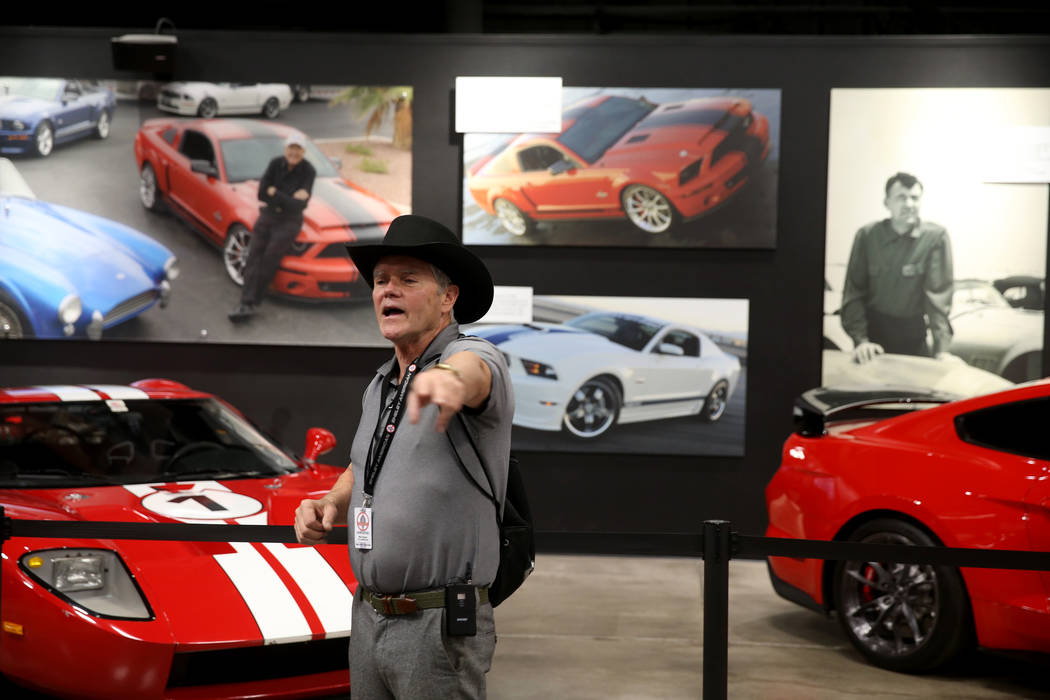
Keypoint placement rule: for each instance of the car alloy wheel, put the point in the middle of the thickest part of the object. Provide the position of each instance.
(148, 192)
(647, 209)
(902, 617)
(271, 108)
(235, 252)
(12, 324)
(716, 402)
(44, 139)
(593, 408)
(512, 218)
(102, 127)
(208, 108)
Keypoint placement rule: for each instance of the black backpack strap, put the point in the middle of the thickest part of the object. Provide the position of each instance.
(475, 460)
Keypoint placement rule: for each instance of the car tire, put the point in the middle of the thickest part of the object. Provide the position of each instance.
(102, 126)
(208, 108)
(647, 209)
(271, 108)
(235, 252)
(716, 402)
(13, 323)
(149, 191)
(44, 139)
(902, 617)
(301, 93)
(513, 219)
(593, 408)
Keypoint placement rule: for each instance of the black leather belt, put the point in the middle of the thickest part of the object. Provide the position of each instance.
(411, 602)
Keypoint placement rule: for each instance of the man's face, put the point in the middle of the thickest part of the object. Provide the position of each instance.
(903, 204)
(409, 303)
(293, 153)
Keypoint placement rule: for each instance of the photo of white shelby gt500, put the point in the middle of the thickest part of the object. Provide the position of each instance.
(603, 368)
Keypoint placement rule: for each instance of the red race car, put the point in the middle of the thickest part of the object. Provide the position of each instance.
(620, 156)
(207, 171)
(159, 619)
(915, 467)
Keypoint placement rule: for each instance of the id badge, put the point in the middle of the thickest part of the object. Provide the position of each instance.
(363, 528)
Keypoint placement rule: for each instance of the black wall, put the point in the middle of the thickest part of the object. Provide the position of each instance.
(582, 502)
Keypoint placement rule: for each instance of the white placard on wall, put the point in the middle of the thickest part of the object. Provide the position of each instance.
(509, 305)
(1017, 154)
(508, 105)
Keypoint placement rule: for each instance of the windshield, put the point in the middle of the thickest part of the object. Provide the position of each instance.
(246, 159)
(54, 445)
(628, 331)
(598, 128)
(37, 88)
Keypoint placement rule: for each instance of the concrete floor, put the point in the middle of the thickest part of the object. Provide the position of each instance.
(629, 627)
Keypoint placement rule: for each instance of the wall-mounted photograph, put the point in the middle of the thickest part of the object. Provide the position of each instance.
(131, 208)
(934, 276)
(636, 375)
(632, 167)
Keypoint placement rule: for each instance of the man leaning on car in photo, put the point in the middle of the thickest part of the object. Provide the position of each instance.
(899, 280)
(284, 191)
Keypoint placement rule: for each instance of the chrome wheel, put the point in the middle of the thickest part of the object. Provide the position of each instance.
(512, 218)
(593, 408)
(208, 108)
(148, 194)
(271, 108)
(45, 140)
(716, 402)
(11, 325)
(648, 209)
(235, 252)
(102, 127)
(905, 617)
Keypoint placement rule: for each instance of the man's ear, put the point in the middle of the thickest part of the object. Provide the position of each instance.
(449, 300)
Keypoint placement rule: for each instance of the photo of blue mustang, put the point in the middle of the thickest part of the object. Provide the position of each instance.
(36, 114)
(66, 273)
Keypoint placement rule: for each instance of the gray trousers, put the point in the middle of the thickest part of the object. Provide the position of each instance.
(409, 657)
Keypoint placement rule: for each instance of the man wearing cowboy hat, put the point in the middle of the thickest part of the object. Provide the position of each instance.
(422, 534)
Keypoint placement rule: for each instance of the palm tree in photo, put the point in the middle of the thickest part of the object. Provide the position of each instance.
(377, 102)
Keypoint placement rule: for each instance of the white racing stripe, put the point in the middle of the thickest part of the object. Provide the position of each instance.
(328, 595)
(70, 393)
(116, 391)
(278, 615)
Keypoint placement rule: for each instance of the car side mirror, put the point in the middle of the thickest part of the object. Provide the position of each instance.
(337, 162)
(669, 349)
(318, 442)
(204, 167)
(562, 166)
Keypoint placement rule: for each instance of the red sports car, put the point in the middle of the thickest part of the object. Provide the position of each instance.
(914, 467)
(207, 171)
(157, 619)
(619, 156)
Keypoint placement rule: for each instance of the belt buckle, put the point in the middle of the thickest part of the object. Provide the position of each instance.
(397, 605)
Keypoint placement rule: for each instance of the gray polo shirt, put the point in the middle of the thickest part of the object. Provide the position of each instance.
(430, 525)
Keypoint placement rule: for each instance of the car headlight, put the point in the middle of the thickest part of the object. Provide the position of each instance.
(18, 125)
(69, 309)
(171, 268)
(96, 580)
(538, 369)
(300, 247)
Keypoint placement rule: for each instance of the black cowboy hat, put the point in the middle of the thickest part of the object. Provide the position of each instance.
(419, 237)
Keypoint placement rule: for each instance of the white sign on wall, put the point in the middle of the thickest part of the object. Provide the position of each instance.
(508, 105)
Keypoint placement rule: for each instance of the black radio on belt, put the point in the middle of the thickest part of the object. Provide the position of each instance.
(461, 610)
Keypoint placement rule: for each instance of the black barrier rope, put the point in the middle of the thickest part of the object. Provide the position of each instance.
(720, 544)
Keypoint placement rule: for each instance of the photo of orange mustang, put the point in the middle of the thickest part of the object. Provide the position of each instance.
(619, 156)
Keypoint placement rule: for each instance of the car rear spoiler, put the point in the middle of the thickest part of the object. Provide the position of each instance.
(815, 407)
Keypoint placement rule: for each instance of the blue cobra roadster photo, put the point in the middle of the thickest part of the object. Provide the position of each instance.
(66, 273)
(36, 114)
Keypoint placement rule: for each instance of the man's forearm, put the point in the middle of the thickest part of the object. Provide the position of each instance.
(475, 374)
(339, 495)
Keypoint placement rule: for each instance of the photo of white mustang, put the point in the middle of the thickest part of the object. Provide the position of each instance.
(605, 368)
(207, 100)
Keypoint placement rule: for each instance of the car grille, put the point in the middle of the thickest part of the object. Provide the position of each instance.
(334, 250)
(738, 140)
(343, 287)
(258, 663)
(130, 307)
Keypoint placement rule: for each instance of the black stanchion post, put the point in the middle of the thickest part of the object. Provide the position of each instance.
(716, 609)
